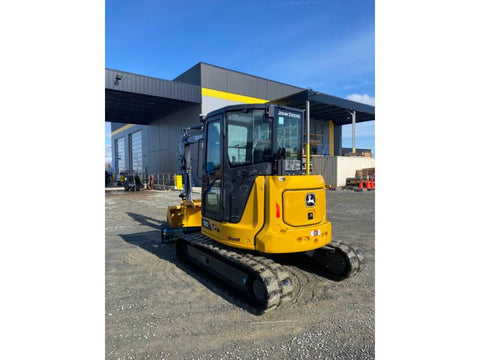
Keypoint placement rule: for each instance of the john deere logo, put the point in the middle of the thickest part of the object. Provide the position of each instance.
(310, 200)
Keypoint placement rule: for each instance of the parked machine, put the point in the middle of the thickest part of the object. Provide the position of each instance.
(186, 217)
(132, 181)
(256, 202)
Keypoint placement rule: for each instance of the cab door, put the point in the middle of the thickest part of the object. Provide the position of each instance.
(212, 186)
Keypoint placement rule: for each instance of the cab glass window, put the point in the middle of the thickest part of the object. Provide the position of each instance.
(213, 197)
(213, 146)
(289, 136)
(249, 137)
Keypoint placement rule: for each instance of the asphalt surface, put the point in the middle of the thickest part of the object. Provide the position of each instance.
(158, 308)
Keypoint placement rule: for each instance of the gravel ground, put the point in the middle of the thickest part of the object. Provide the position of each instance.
(157, 308)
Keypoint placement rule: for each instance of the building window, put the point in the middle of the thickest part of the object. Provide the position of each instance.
(136, 153)
(120, 155)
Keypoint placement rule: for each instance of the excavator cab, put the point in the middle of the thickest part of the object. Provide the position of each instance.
(255, 195)
(243, 143)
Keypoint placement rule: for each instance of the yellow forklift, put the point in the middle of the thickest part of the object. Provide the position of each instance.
(256, 202)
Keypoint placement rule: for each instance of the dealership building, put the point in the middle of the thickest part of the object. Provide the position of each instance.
(147, 113)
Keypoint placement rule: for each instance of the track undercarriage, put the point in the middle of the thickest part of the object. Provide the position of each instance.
(263, 282)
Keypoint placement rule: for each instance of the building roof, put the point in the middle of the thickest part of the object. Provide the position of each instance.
(328, 107)
(139, 99)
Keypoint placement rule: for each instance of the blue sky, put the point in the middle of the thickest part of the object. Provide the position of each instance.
(325, 45)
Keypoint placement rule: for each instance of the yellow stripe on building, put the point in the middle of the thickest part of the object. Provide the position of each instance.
(331, 137)
(123, 128)
(233, 97)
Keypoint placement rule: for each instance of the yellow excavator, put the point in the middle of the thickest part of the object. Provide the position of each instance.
(256, 202)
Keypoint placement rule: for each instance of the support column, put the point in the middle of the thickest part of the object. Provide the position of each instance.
(354, 118)
(307, 114)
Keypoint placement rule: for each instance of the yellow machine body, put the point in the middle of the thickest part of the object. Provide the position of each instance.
(187, 214)
(276, 218)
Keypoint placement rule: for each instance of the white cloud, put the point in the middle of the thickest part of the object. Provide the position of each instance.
(364, 99)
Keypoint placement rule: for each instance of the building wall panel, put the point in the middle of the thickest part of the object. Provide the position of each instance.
(278, 90)
(163, 136)
(210, 104)
(191, 76)
(336, 169)
(337, 141)
(327, 167)
(262, 89)
(239, 83)
(214, 78)
(347, 165)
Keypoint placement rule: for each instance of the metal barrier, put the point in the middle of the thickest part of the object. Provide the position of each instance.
(161, 181)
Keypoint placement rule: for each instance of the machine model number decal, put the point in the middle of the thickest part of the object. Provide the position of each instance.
(310, 200)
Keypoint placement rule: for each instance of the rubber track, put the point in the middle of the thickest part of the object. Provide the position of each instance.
(354, 254)
(277, 281)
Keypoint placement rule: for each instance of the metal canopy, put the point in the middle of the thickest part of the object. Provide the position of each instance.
(327, 107)
(137, 99)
